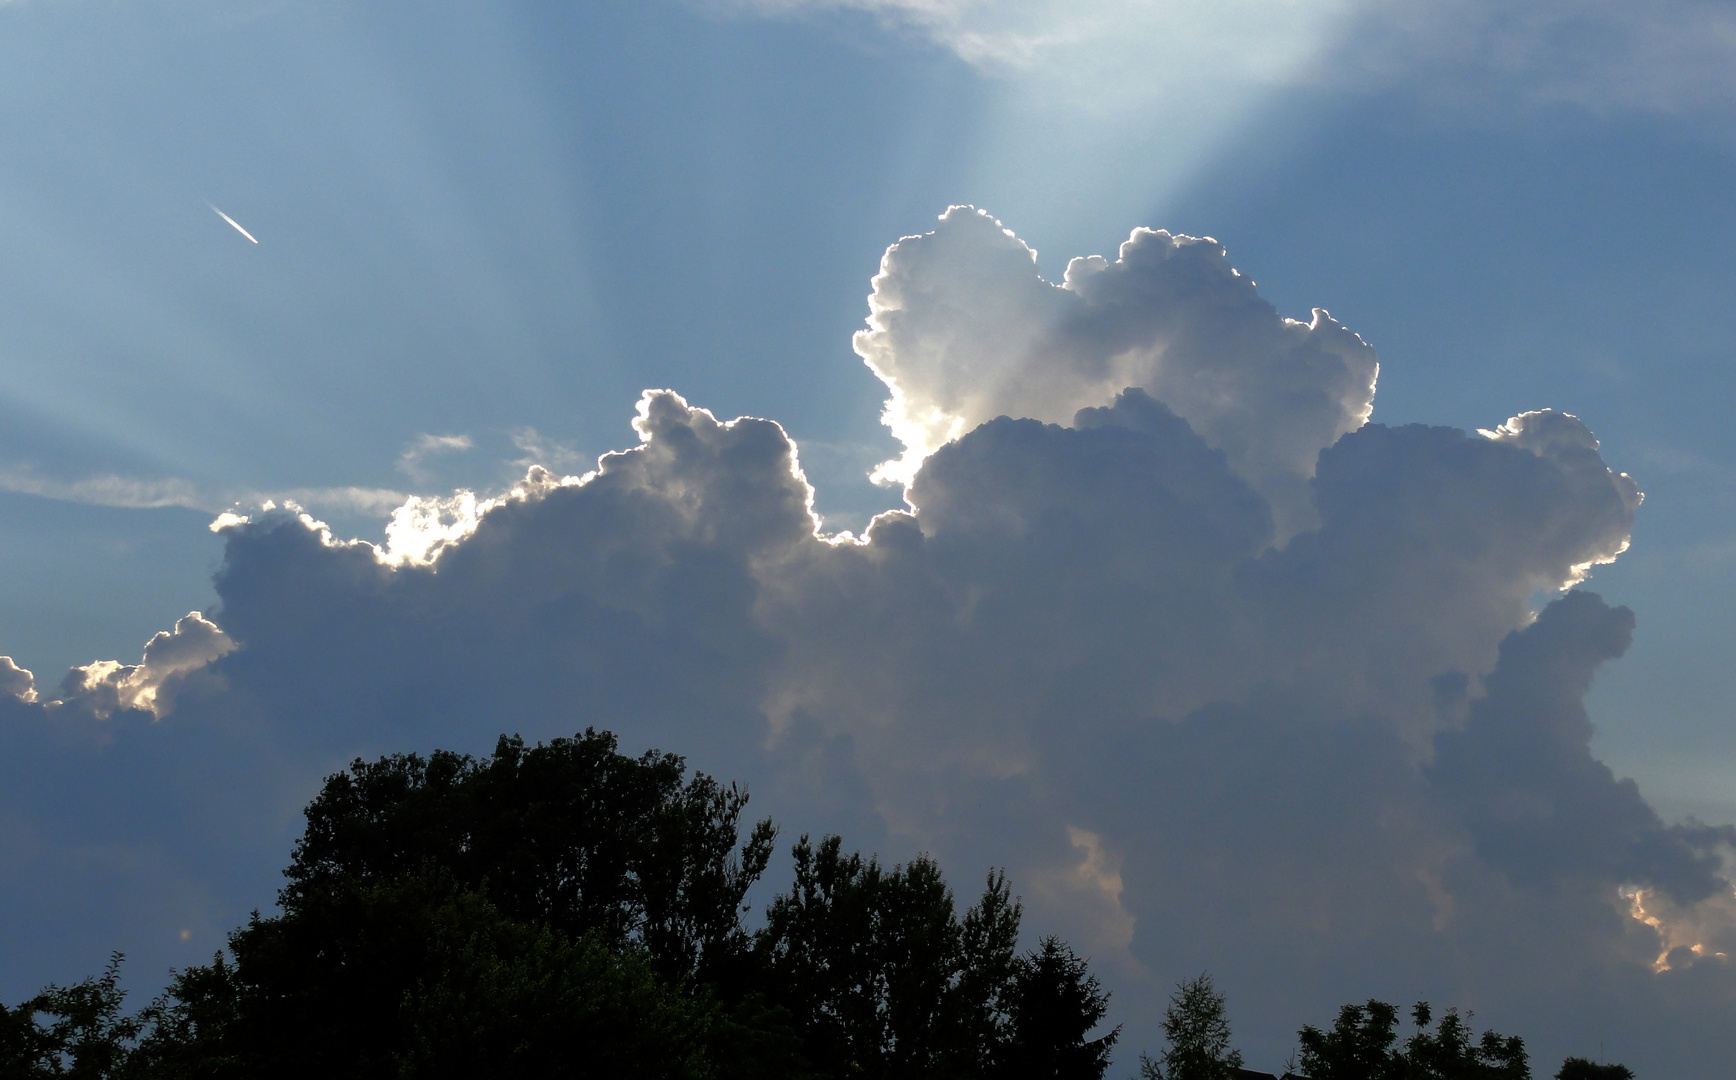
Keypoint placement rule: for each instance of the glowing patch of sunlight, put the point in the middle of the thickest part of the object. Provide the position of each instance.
(1578, 572)
(1090, 890)
(921, 435)
(1680, 927)
(420, 527)
(108, 686)
(425, 526)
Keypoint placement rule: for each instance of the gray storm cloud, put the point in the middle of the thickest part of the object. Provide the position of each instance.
(1225, 676)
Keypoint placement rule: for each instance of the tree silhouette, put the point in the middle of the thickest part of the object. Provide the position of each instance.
(564, 910)
(86, 1037)
(885, 980)
(1361, 1046)
(1197, 1028)
(1054, 1003)
(571, 834)
(1578, 1068)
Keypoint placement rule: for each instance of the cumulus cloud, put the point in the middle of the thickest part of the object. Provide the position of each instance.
(1537, 805)
(1226, 676)
(962, 329)
(105, 687)
(16, 681)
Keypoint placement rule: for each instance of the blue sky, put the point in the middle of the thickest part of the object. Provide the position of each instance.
(502, 222)
(483, 221)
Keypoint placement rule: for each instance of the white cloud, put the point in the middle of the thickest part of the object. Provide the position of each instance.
(1605, 55)
(106, 490)
(538, 449)
(412, 461)
(146, 493)
(423, 527)
(962, 329)
(1349, 763)
(355, 500)
(105, 687)
(16, 681)
(1239, 38)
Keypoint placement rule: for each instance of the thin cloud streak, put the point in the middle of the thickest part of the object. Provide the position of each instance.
(233, 222)
(123, 492)
(150, 493)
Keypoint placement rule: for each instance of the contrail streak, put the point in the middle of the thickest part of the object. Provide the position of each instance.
(233, 222)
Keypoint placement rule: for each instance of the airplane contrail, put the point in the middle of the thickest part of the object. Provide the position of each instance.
(233, 222)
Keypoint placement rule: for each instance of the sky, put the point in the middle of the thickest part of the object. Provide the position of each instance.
(1281, 603)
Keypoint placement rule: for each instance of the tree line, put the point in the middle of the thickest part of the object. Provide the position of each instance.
(565, 910)
(1362, 1044)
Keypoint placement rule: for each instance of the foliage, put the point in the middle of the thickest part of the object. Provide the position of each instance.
(418, 976)
(1360, 1046)
(566, 911)
(1054, 1003)
(885, 980)
(1578, 1068)
(1197, 1028)
(86, 1037)
(570, 834)
(190, 1031)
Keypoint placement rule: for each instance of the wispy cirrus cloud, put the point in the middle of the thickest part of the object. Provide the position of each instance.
(413, 461)
(107, 489)
(535, 448)
(1149, 47)
(1604, 55)
(149, 493)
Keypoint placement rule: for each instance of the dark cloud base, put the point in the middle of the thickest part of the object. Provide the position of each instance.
(1324, 771)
